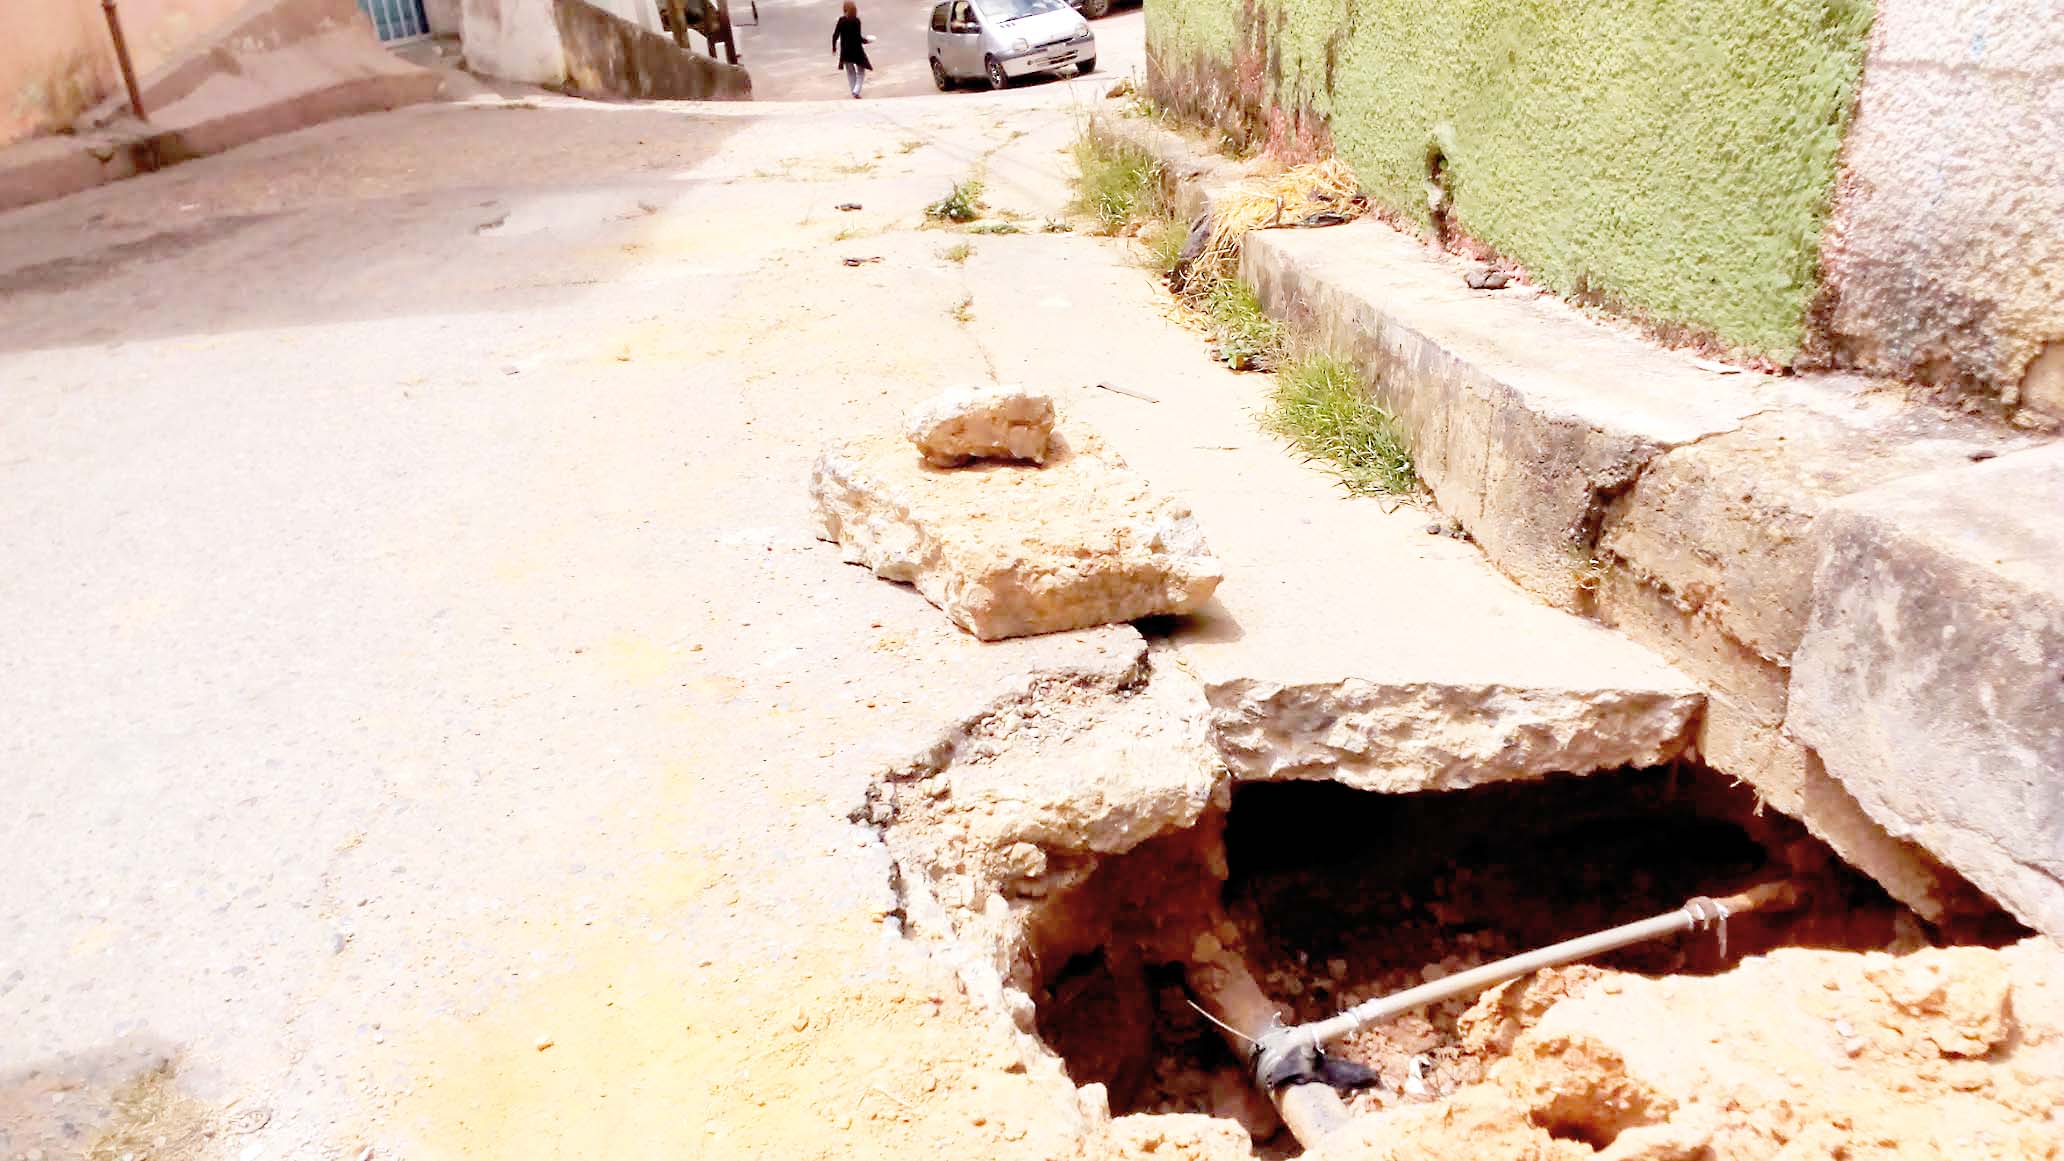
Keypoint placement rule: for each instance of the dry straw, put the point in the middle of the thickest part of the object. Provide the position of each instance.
(1320, 193)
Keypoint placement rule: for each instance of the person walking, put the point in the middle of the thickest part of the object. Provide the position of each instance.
(851, 45)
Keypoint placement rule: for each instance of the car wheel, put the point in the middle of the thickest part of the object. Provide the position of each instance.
(998, 79)
(1094, 9)
(1085, 67)
(939, 75)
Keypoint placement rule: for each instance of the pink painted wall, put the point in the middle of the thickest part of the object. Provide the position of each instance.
(56, 61)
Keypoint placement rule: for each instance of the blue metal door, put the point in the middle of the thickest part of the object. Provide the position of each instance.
(397, 19)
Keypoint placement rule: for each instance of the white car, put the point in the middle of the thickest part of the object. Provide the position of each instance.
(999, 41)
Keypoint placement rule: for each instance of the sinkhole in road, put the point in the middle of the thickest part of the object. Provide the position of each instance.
(1333, 895)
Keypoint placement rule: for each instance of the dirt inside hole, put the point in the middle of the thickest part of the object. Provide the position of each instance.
(1336, 895)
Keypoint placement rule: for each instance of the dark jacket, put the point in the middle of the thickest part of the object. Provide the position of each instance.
(845, 37)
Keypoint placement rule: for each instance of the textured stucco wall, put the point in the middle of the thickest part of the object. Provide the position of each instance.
(1673, 160)
(56, 61)
(1945, 261)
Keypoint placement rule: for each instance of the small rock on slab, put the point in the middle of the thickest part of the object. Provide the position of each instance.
(980, 423)
(1008, 550)
(1486, 278)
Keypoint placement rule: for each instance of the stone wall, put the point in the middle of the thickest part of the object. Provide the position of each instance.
(608, 56)
(609, 48)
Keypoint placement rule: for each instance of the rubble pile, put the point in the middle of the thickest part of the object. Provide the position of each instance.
(1940, 1053)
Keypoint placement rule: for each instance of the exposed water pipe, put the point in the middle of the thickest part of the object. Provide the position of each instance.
(1288, 1063)
(114, 24)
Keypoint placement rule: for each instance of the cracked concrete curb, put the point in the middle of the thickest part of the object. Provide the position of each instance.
(1610, 476)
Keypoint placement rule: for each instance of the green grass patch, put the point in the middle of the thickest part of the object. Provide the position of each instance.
(958, 252)
(995, 228)
(1117, 184)
(1164, 242)
(1248, 339)
(1319, 406)
(963, 203)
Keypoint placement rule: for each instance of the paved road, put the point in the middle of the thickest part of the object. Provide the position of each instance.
(789, 52)
(430, 728)
(413, 649)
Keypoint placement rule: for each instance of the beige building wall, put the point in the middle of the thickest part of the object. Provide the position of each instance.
(56, 61)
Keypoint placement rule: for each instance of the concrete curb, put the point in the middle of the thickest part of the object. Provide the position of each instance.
(1609, 476)
(278, 66)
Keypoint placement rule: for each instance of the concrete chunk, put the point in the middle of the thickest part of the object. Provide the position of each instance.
(978, 423)
(1406, 738)
(1928, 679)
(1009, 550)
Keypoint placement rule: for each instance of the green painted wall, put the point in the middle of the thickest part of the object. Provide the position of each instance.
(1672, 158)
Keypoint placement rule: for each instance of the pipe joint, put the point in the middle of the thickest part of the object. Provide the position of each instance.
(1285, 1056)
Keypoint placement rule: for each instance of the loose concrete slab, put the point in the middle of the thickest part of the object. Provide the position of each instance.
(1928, 676)
(1011, 550)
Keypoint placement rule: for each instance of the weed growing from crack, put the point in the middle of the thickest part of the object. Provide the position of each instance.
(1120, 186)
(1116, 183)
(1248, 339)
(1318, 405)
(995, 228)
(963, 203)
(1164, 242)
(965, 312)
(849, 233)
(958, 252)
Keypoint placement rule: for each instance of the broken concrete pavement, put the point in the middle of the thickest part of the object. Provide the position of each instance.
(515, 726)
